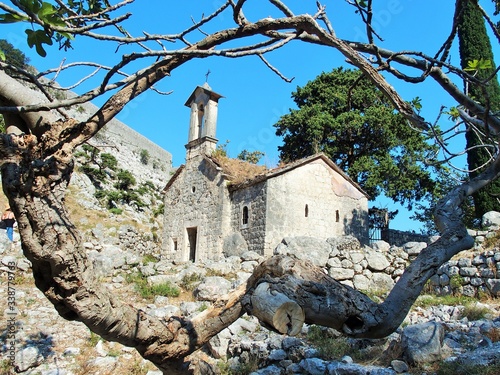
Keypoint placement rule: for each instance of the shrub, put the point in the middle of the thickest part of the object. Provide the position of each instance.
(108, 161)
(125, 180)
(144, 157)
(159, 210)
(95, 174)
(189, 282)
(456, 281)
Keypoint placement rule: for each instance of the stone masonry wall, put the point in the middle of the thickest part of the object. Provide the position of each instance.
(378, 267)
(194, 201)
(254, 198)
(298, 204)
(399, 238)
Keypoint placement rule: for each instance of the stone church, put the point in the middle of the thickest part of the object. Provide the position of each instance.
(216, 206)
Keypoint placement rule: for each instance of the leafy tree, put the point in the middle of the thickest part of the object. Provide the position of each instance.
(12, 55)
(108, 161)
(250, 156)
(125, 180)
(37, 161)
(476, 57)
(345, 116)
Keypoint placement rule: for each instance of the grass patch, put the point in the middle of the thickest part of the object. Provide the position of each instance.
(428, 300)
(166, 289)
(148, 258)
(242, 369)
(94, 339)
(6, 367)
(455, 368)
(329, 347)
(191, 281)
(474, 312)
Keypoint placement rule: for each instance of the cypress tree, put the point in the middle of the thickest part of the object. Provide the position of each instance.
(475, 45)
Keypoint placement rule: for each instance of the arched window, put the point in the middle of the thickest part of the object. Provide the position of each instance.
(201, 120)
(244, 220)
(337, 216)
(306, 211)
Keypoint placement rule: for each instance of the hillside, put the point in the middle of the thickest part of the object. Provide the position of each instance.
(149, 165)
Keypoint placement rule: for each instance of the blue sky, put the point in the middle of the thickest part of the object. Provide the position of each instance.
(255, 97)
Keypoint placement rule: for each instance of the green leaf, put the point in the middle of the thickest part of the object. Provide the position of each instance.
(475, 65)
(416, 103)
(46, 10)
(2, 55)
(31, 5)
(11, 18)
(37, 38)
(453, 113)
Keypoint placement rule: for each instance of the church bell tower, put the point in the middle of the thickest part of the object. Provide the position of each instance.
(203, 121)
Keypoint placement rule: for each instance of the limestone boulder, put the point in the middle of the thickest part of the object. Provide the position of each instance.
(421, 343)
(414, 248)
(491, 219)
(315, 250)
(234, 245)
(376, 261)
(212, 288)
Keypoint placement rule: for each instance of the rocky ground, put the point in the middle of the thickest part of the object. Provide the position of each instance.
(48, 345)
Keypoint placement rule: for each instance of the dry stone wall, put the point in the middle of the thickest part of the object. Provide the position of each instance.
(378, 267)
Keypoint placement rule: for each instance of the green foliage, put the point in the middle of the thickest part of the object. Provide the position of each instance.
(94, 339)
(250, 156)
(125, 180)
(2, 124)
(13, 56)
(424, 212)
(148, 258)
(144, 157)
(476, 56)
(329, 347)
(148, 291)
(428, 300)
(221, 150)
(146, 187)
(456, 281)
(474, 312)
(108, 161)
(159, 210)
(53, 16)
(345, 116)
(458, 368)
(190, 281)
(116, 210)
(95, 174)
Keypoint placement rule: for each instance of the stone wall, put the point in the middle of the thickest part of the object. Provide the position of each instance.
(314, 201)
(378, 267)
(254, 199)
(194, 207)
(470, 277)
(399, 238)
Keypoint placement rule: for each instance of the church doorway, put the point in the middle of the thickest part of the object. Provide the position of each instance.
(192, 234)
